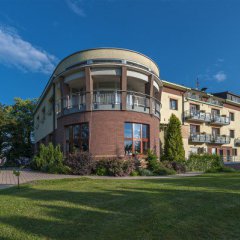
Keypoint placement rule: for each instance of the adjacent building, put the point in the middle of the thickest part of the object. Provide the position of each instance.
(111, 102)
(209, 121)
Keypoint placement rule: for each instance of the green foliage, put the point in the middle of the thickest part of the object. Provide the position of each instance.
(173, 147)
(145, 172)
(221, 169)
(134, 173)
(156, 167)
(204, 162)
(101, 171)
(16, 127)
(50, 159)
(116, 167)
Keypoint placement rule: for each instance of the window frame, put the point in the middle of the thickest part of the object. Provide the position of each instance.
(69, 143)
(134, 139)
(170, 103)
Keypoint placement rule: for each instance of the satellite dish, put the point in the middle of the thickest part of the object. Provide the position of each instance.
(204, 89)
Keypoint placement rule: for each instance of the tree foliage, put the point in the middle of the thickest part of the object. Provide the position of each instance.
(173, 147)
(16, 128)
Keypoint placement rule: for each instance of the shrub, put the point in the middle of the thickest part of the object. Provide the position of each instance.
(179, 167)
(165, 171)
(221, 169)
(50, 159)
(81, 163)
(116, 167)
(134, 173)
(203, 162)
(101, 171)
(145, 172)
(153, 162)
(157, 167)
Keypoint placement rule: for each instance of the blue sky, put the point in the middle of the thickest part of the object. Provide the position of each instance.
(188, 39)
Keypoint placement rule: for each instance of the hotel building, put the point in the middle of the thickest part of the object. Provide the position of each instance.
(111, 102)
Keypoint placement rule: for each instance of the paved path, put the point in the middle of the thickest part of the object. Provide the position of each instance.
(8, 179)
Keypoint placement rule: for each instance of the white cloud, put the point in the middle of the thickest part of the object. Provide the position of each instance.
(76, 7)
(220, 76)
(16, 52)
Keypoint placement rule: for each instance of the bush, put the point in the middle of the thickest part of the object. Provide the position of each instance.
(165, 171)
(81, 163)
(156, 167)
(134, 173)
(179, 167)
(145, 172)
(221, 169)
(50, 159)
(204, 162)
(101, 171)
(115, 167)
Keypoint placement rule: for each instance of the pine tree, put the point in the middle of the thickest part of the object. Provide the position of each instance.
(173, 147)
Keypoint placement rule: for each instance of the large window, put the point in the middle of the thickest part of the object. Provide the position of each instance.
(77, 137)
(136, 138)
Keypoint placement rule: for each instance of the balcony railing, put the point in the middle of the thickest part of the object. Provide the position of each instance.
(198, 97)
(197, 116)
(221, 139)
(108, 100)
(208, 138)
(220, 120)
(200, 138)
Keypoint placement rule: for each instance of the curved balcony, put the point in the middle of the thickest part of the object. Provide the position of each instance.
(108, 100)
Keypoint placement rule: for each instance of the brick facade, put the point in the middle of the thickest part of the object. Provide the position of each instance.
(106, 130)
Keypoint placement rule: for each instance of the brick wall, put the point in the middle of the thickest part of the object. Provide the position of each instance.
(106, 137)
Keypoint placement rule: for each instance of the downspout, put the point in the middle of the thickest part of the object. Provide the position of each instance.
(54, 116)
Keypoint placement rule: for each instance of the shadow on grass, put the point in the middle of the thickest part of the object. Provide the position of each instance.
(145, 209)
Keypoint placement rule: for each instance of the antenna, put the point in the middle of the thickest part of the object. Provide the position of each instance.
(197, 84)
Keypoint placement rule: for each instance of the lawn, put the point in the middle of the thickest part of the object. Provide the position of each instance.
(203, 207)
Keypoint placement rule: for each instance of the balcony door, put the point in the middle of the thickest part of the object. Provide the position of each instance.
(215, 112)
(194, 108)
(215, 132)
(194, 129)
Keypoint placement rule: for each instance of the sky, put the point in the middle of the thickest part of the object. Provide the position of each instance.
(188, 39)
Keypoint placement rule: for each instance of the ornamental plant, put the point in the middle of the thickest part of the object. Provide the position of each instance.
(173, 147)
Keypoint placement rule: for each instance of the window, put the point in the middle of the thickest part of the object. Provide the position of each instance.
(136, 138)
(215, 132)
(194, 108)
(231, 116)
(215, 112)
(234, 151)
(77, 137)
(173, 104)
(194, 129)
(232, 133)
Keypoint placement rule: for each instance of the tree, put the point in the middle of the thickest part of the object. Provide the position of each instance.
(16, 129)
(173, 147)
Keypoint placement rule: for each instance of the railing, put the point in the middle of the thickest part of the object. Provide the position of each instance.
(200, 137)
(208, 138)
(197, 115)
(221, 120)
(198, 97)
(218, 139)
(108, 100)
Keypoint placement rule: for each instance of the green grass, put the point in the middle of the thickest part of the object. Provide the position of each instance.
(203, 207)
